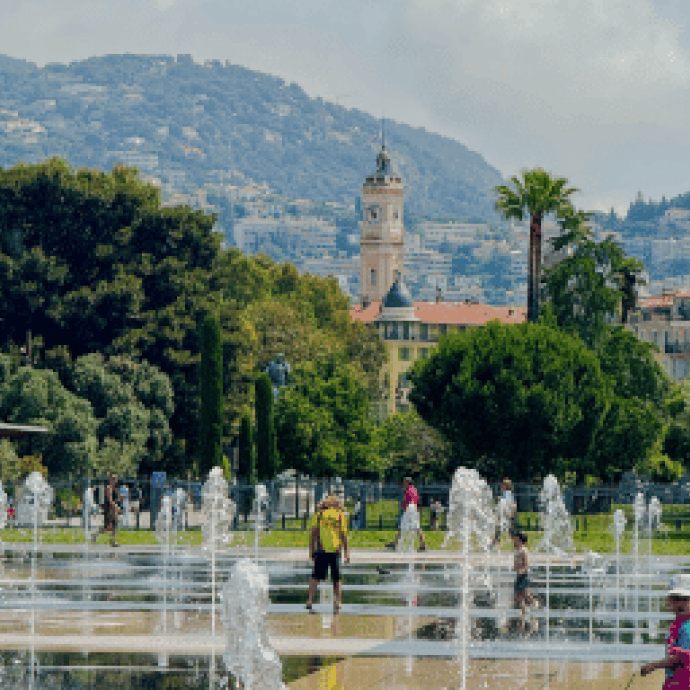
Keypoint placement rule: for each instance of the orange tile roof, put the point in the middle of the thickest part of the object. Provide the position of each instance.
(366, 315)
(449, 313)
(467, 314)
(662, 300)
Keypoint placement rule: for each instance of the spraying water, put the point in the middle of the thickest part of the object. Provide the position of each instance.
(472, 526)
(218, 512)
(557, 536)
(249, 655)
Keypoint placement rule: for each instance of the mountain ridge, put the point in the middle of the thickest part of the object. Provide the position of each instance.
(171, 114)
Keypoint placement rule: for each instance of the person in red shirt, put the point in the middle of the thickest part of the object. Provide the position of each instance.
(411, 496)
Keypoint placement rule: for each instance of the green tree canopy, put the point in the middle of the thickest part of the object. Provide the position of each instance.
(323, 421)
(586, 290)
(90, 262)
(407, 445)
(527, 400)
(105, 415)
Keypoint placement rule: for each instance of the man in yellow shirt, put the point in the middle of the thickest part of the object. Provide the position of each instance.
(328, 537)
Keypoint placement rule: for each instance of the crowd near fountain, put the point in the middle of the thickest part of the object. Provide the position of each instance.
(587, 601)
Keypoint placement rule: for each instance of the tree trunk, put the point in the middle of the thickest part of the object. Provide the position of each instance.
(534, 268)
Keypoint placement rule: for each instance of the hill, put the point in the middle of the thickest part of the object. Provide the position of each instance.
(218, 122)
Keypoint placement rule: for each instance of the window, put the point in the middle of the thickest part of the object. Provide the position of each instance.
(392, 331)
(423, 352)
(406, 330)
(404, 354)
(424, 331)
(443, 329)
(402, 380)
(372, 278)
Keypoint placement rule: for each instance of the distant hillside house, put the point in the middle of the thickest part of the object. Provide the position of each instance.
(664, 321)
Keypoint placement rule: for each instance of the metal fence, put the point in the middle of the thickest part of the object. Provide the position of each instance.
(369, 505)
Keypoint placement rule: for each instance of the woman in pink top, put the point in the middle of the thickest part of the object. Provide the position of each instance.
(411, 496)
(676, 663)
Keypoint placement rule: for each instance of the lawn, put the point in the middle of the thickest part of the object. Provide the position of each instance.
(593, 533)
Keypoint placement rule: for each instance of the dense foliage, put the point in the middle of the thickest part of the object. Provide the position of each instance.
(525, 400)
(90, 263)
(105, 414)
(324, 423)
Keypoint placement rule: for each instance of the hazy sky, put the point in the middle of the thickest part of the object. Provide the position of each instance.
(592, 90)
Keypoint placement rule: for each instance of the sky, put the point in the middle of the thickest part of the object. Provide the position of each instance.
(592, 90)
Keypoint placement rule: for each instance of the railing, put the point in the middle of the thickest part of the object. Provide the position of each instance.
(369, 505)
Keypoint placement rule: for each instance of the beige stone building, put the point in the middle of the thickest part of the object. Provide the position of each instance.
(381, 244)
(664, 321)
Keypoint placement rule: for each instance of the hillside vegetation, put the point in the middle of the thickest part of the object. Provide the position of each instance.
(218, 121)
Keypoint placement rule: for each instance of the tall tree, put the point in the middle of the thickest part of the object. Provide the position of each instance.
(324, 420)
(266, 453)
(211, 388)
(591, 287)
(536, 195)
(247, 463)
(532, 400)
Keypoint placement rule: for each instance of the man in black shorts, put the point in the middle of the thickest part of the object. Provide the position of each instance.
(328, 538)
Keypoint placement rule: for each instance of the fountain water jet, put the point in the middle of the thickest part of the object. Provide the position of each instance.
(557, 535)
(472, 525)
(618, 527)
(218, 512)
(409, 528)
(166, 528)
(249, 655)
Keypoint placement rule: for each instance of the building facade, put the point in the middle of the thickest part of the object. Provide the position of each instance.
(664, 321)
(410, 330)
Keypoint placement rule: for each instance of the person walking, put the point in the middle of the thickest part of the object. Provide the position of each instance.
(507, 511)
(676, 663)
(111, 510)
(436, 510)
(411, 496)
(328, 538)
(523, 599)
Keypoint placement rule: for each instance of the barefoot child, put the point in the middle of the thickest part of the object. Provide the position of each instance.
(676, 663)
(523, 598)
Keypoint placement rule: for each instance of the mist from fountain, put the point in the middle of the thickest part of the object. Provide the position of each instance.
(249, 655)
(166, 528)
(472, 526)
(218, 514)
(557, 536)
(409, 529)
(618, 528)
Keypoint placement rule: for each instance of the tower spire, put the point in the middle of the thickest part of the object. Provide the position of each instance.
(383, 133)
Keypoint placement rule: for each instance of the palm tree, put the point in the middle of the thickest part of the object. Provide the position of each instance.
(537, 194)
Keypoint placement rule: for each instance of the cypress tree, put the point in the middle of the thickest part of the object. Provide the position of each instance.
(265, 431)
(247, 464)
(211, 414)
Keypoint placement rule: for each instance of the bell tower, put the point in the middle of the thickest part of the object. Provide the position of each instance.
(381, 244)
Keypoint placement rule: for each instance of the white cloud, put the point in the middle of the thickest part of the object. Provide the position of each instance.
(593, 90)
(566, 85)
